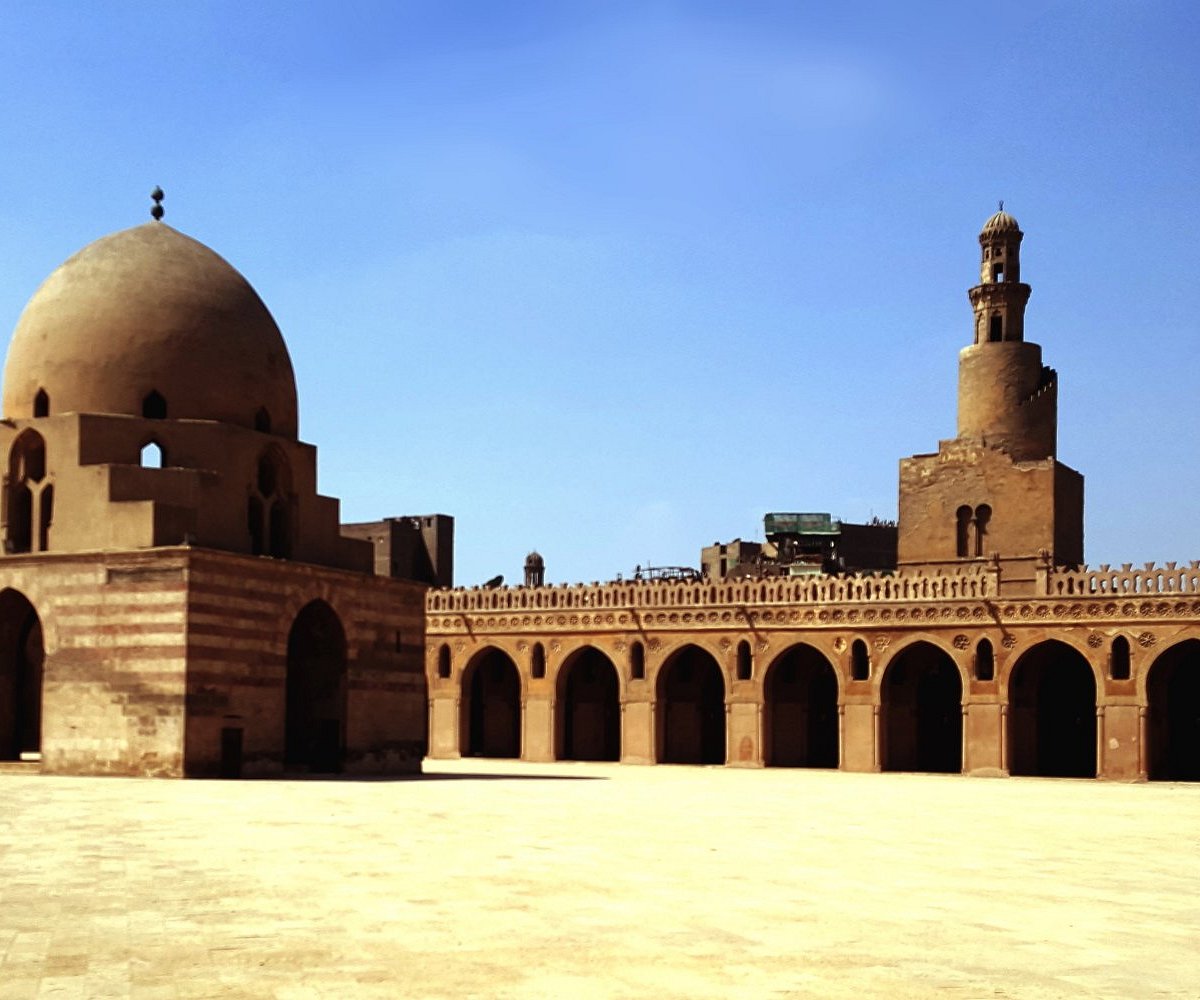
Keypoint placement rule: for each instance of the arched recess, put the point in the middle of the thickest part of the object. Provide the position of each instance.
(269, 505)
(691, 709)
(800, 710)
(28, 496)
(21, 657)
(588, 708)
(1173, 714)
(1052, 713)
(490, 723)
(315, 719)
(921, 711)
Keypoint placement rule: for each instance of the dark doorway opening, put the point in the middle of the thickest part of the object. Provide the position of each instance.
(491, 706)
(231, 752)
(922, 712)
(800, 710)
(21, 660)
(1052, 713)
(589, 708)
(691, 709)
(1173, 693)
(315, 726)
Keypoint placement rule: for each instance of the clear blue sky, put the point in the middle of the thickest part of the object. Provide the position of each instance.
(614, 279)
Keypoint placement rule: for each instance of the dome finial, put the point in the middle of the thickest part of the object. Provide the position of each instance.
(1001, 204)
(157, 211)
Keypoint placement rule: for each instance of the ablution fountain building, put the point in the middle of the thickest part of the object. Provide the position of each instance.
(177, 599)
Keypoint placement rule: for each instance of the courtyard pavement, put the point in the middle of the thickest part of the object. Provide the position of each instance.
(501, 879)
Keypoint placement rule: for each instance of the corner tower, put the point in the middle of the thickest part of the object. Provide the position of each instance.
(996, 490)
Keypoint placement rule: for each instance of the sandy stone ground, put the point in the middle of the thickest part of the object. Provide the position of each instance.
(500, 879)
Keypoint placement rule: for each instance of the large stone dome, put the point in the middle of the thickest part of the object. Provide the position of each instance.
(150, 311)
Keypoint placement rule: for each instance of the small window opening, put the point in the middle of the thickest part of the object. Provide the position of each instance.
(262, 420)
(41, 404)
(998, 271)
(154, 406)
(1118, 659)
(538, 668)
(985, 661)
(46, 516)
(444, 661)
(983, 515)
(860, 661)
(996, 329)
(399, 637)
(153, 456)
(744, 662)
(962, 532)
(637, 662)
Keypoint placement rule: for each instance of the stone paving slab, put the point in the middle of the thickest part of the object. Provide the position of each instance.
(504, 879)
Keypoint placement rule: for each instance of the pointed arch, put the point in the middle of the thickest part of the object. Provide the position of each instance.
(28, 495)
(587, 707)
(690, 708)
(1052, 713)
(22, 655)
(41, 404)
(315, 695)
(1173, 714)
(154, 405)
(152, 455)
(921, 711)
(800, 710)
(269, 506)
(490, 706)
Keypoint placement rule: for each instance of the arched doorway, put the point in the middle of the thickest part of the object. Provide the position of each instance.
(1052, 713)
(21, 658)
(491, 706)
(691, 709)
(921, 711)
(315, 723)
(800, 710)
(589, 708)
(1173, 716)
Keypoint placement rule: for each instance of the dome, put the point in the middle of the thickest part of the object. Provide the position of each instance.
(535, 559)
(1001, 222)
(150, 313)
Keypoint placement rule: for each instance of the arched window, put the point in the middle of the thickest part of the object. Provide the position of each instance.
(744, 665)
(269, 507)
(154, 406)
(41, 404)
(985, 661)
(996, 329)
(444, 661)
(860, 661)
(153, 456)
(983, 515)
(28, 496)
(262, 420)
(538, 667)
(637, 662)
(1118, 659)
(962, 532)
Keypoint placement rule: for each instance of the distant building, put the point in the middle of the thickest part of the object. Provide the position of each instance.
(417, 547)
(802, 545)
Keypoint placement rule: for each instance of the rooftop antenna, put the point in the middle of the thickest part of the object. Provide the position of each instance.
(157, 211)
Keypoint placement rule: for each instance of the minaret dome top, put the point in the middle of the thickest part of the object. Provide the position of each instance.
(1001, 222)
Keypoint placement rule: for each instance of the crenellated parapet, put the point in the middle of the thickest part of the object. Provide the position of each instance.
(1169, 578)
(971, 583)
